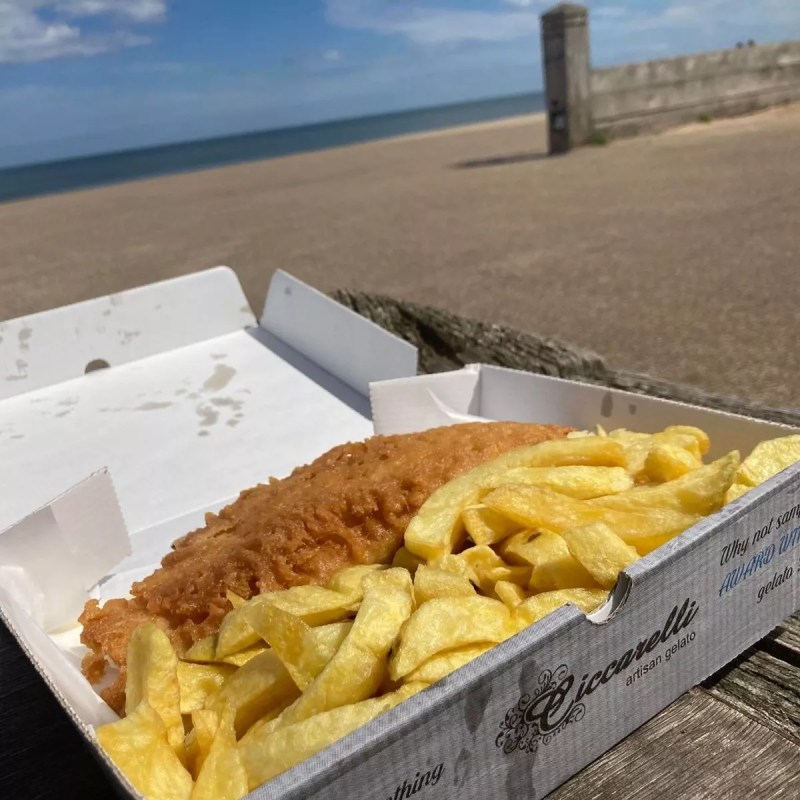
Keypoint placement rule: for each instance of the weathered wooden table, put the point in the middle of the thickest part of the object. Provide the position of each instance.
(736, 736)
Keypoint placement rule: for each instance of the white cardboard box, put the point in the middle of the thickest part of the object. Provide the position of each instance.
(514, 723)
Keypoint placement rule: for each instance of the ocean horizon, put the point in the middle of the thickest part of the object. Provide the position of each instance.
(54, 177)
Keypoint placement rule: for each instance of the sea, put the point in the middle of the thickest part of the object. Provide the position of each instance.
(32, 180)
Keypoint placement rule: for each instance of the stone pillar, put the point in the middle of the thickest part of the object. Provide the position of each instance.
(567, 76)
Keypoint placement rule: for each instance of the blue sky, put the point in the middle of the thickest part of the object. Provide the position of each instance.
(84, 76)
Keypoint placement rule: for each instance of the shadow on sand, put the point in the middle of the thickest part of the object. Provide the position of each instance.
(500, 161)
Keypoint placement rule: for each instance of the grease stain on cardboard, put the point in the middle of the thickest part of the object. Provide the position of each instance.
(220, 378)
(208, 415)
(24, 337)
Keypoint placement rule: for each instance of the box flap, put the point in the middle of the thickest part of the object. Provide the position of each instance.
(345, 344)
(53, 346)
(499, 393)
(50, 560)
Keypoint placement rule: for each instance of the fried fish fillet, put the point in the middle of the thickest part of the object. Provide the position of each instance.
(350, 506)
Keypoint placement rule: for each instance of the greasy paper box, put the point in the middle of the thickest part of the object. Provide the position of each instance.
(533, 711)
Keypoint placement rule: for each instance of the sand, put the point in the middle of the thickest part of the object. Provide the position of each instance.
(677, 254)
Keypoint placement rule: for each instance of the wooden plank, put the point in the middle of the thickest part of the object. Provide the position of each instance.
(698, 748)
(448, 341)
(787, 638)
(764, 687)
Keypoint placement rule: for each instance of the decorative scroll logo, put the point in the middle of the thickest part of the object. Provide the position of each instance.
(541, 716)
(538, 717)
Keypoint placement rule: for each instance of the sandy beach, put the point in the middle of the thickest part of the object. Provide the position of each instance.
(675, 254)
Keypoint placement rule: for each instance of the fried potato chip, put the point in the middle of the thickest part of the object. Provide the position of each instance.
(486, 526)
(303, 650)
(358, 668)
(767, 459)
(485, 568)
(554, 567)
(235, 633)
(222, 775)
(638, 449)
(254, 690)
(396, 576)
(581, 483)
(600, 551)
(699, 435)
(198, 681)
(542, 508)
(315, 605)
(430, 583)
(438, 666)
(511, 594)
(138, 745)
(700, 492)
(203, 650)
(350, 581)
(153, 678)
(514, 549)
(451, 563)
(405, 559)
(540, 605)
(200, 738)
(667, 461)
(437, 528)
(626, 437)
(241, 657)
(446, 623)
(736, 491)
(234, 599)
(266, 752)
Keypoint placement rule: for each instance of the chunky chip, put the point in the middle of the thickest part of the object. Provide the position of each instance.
(359, 666)
(267, 752)
(199, 740)
(554, 567)
(304, 651)
(540, 605)
(767, 459)
(447, 623)
(153, 679)
(441, 665)
(138, 745)
(257, 688)
(437, 528)
(699, 492)
(581, 482)
(198, 682)
(222, 775)
(486, 526)
(600, 551)
(430, 583)
(668, 461)
(535, 507)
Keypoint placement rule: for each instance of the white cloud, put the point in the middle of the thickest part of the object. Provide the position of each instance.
(36, 30)
(429, 23)
(433, 24)
(135, 10)
(332, 56)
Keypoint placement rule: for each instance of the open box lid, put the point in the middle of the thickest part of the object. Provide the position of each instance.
(200, 401)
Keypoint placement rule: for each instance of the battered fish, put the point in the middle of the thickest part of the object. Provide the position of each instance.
(350, 506)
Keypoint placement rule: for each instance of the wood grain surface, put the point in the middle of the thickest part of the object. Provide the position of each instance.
(736, 736)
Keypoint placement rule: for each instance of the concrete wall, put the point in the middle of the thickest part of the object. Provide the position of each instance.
(654, 95)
